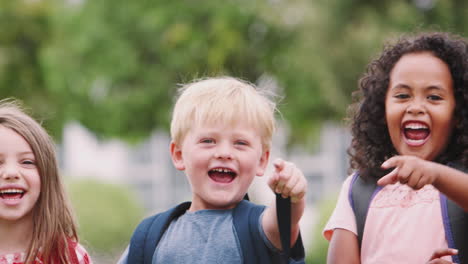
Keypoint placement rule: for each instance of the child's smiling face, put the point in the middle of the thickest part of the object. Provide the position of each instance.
(419, 105)
(20, 183)
(220, 161)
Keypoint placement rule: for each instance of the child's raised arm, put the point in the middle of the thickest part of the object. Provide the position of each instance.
(288, 181)
(416, 173)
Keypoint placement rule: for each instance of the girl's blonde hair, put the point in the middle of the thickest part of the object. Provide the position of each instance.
(224, 100)
(54, 225)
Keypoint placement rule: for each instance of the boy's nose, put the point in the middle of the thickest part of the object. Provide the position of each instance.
(223, 152)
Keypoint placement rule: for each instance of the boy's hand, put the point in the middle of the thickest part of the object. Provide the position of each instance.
(409, 170)
(436, 256)
(288, 181)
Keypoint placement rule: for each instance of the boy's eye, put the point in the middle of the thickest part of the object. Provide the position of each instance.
(207, 141)
(241, 142)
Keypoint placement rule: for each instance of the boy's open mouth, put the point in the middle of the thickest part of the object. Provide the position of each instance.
(12, 194)
(222, 175)
(416, 133)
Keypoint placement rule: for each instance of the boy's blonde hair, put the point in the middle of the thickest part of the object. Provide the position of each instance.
(224, 100)
(54, 224)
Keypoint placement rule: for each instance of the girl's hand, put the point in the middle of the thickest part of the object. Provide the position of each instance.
(288, 181)
(409, 170)
(436, 256)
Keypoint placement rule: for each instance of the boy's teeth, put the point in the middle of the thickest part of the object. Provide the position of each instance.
(222, 170)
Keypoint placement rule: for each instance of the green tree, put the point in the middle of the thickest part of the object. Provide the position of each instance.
(116, 64)
(338, 38)
(26, 30)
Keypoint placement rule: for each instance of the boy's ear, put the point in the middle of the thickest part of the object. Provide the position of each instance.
(263, 163)
(176, 155)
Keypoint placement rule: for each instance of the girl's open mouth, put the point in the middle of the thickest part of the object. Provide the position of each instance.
(222, 175)
(12, 194)
(416, 133)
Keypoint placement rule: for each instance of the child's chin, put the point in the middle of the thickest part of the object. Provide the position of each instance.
(224, 203)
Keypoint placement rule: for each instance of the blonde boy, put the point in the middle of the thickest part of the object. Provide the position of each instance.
(221, 137)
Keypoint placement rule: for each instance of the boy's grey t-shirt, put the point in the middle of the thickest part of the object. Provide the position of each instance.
(205, 236)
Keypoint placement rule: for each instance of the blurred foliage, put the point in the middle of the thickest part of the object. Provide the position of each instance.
(107, 215)
(317, 254)
(25, 30)
(337, 40)
(114, 65)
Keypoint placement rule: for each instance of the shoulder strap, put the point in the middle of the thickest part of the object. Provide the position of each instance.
(245, 218)
(148, 233)
(455, 221)
(283, 216)
(361, 193)
(459, 223)
(456, 228)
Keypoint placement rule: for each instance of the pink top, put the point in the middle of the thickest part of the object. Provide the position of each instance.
(402, 225)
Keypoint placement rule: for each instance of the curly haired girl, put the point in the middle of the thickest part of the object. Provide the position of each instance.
(408, 124)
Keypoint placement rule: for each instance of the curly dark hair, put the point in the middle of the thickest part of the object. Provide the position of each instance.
(371, 144)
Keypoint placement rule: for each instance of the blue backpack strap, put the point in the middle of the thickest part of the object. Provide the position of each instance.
(283, 216)
(361, 192)
(245, 217)
(455, 221)
(459, 223)
(137, 242)
(246, 223)
(455, 225)
(148, 233)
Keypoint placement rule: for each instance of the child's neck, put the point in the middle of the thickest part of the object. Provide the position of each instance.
(197, 206)
(15, 235)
